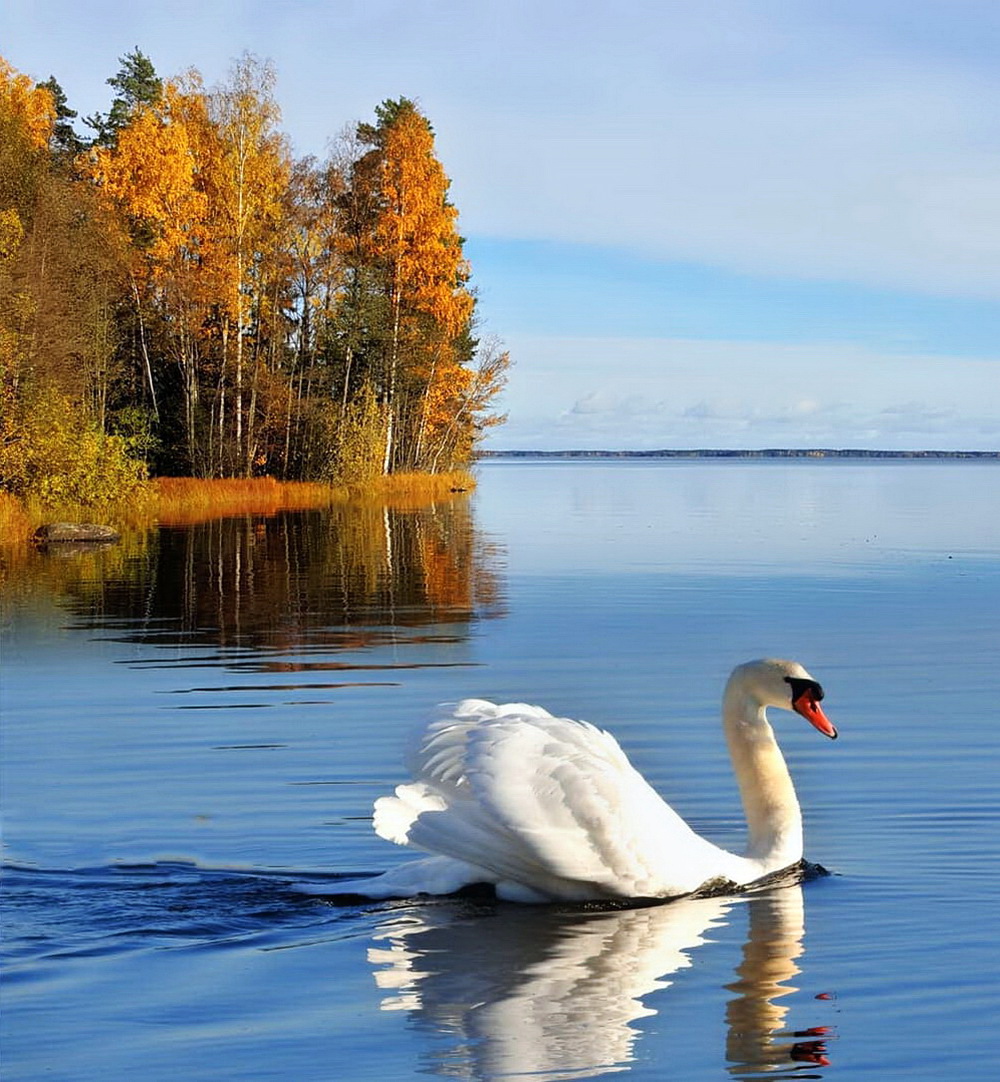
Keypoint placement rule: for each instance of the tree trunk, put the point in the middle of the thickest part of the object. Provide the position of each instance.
(393, 364)
(142, 345)
(220, 470)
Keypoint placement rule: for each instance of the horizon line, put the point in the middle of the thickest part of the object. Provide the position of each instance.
(741, 452)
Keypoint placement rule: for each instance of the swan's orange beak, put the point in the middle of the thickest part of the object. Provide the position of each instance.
(807, 705)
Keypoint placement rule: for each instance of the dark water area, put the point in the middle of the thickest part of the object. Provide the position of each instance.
(195, 725)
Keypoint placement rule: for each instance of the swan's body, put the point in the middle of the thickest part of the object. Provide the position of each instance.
(547, 808)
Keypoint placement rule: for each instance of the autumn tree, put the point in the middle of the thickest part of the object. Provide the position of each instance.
(312, 405)
(248, 178)
(405, 321)
(199, 180)
(148, 177)
(27, 114)
(59, 290)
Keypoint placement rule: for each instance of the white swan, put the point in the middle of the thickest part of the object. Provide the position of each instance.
(547, 808)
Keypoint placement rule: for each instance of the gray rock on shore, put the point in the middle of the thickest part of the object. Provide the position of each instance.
(77, 532)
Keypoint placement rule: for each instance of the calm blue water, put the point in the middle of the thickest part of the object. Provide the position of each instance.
(195, 723)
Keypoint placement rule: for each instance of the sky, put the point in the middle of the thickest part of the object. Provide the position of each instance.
(731, 223)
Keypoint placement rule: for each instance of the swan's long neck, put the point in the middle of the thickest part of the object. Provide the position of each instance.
(774, 820)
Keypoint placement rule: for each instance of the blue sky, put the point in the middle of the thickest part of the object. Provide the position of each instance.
(733, 223)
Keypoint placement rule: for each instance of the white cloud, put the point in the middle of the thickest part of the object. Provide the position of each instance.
(597, 402)
(645, 393)
(607, 402)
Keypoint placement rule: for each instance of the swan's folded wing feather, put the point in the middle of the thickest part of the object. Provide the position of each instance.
(584, 812)
(438, 753)
(542, 801)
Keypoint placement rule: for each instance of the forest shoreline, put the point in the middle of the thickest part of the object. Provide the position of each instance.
(180, 295)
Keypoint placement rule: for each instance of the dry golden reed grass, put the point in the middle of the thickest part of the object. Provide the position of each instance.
(184, 500)
(178, 501)
(15, 522)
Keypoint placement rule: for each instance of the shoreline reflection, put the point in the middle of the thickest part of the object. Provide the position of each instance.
(556, 994)
(347, 577)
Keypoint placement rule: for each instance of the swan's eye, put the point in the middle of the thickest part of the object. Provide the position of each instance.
(799, 687)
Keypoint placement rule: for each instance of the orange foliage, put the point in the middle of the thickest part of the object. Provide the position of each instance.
(416, 230)
(413, 237)
(199, 181)
(149, 174)
(26, 104)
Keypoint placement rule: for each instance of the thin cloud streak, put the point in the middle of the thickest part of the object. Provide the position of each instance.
(648, 393)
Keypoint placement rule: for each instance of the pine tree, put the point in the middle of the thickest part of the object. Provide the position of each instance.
(64, 142)
(137, 84)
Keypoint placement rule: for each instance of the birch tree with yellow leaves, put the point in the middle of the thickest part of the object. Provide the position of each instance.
(199, 179)
(250, 174)
(148, 176)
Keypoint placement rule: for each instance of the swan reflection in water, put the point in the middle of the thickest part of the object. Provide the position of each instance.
(554, 993)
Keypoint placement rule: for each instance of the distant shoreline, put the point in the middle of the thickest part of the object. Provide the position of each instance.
(771, 452)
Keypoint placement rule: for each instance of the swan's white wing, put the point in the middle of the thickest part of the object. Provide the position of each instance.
(547, 803)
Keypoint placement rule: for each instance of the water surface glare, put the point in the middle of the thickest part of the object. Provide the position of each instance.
(195, 725)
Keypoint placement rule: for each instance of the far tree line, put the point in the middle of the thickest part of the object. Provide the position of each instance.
(179, 292)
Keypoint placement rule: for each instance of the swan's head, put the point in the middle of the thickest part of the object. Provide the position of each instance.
(787, 685)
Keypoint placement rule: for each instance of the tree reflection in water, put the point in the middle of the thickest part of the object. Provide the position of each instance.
(552, 994)
(342, 577)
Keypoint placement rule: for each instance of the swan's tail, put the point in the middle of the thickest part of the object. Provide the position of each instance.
(431, 875)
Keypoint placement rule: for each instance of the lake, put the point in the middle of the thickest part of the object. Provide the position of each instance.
(196, 723)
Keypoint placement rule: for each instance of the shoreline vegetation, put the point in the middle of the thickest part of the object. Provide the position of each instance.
(181, 297)
(185, 501)
(770, 452)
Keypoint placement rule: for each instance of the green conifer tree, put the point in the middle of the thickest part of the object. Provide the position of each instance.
(137, 84)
